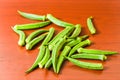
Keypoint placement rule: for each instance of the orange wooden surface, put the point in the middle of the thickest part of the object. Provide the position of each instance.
(15, 60)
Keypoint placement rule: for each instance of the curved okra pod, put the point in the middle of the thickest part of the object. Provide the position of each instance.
(76, 31)
(55, 51)
(34, 34)
(94, 51)
(35, 41)
(49, 36)
(49, 63)
(90, 56)
(45, 58)
(32, 16)
(90, 25)
(81, 44)
(38, 59)
(88, 65)
(59, 36)
(61, 57)
(32, 25)
(22, 36)
(57, 21)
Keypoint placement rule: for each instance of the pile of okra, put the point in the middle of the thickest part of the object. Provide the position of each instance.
(68, 44)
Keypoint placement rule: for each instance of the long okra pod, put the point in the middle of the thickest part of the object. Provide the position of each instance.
(81, 44)
(94, 51)
(38, 59)
(58, 36)
(34, 34)
(90, 56)
(32, 16)
(57, 21)
(55, 51)
(45, 58)
(90, 25)
(35, 41)
(76, 31)
(61, 57)
(88, 65)
(22, 36)
(32, 25)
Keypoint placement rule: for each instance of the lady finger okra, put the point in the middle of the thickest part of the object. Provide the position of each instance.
(94, 51)
(32, 25)
(32, 16)
(22, 37)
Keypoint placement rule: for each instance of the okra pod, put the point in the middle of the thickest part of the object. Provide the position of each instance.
(55, 51)
(57, 21)
(61, 57)
(81, 44)
(45, 58)
(90, 56)
(49, 63)
(94, 51)
(90, 25)
(38, 59)
(32, 16)
(22, 37)
(32, 25)
(35, 41)
(88, 65)
(34, 34)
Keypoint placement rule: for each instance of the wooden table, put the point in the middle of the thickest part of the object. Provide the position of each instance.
(15, 60)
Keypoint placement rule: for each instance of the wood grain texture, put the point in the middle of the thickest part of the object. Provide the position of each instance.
(15, 60)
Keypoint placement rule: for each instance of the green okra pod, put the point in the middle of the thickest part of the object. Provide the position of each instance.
(57, 21)
(35, 41)
(59, 36)
(90, 56)
(34, 34)
(61, 57)
(90, 25)
(81, 44)
(38, 59)
(55, 51)
(32, 16)
(32, 25)
(22, 37)
(48, 64)
(87, 65)
(76, 31)
(94, 51)
(45, 58)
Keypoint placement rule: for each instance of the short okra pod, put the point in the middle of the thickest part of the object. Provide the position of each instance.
(55, 51)
(94, 51)
(32, 16)
(49, 36)
(81, 44)
(38, 59)
(87, 65)
(61, 57)
(83, 37)
(76, 31)
(49, 63)
(45, 58)
(90, 25)
(35, 41)
(22, 37)
(32, 25)
(59, 36)
(90, 56)
(34, 34)
(57, 21)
